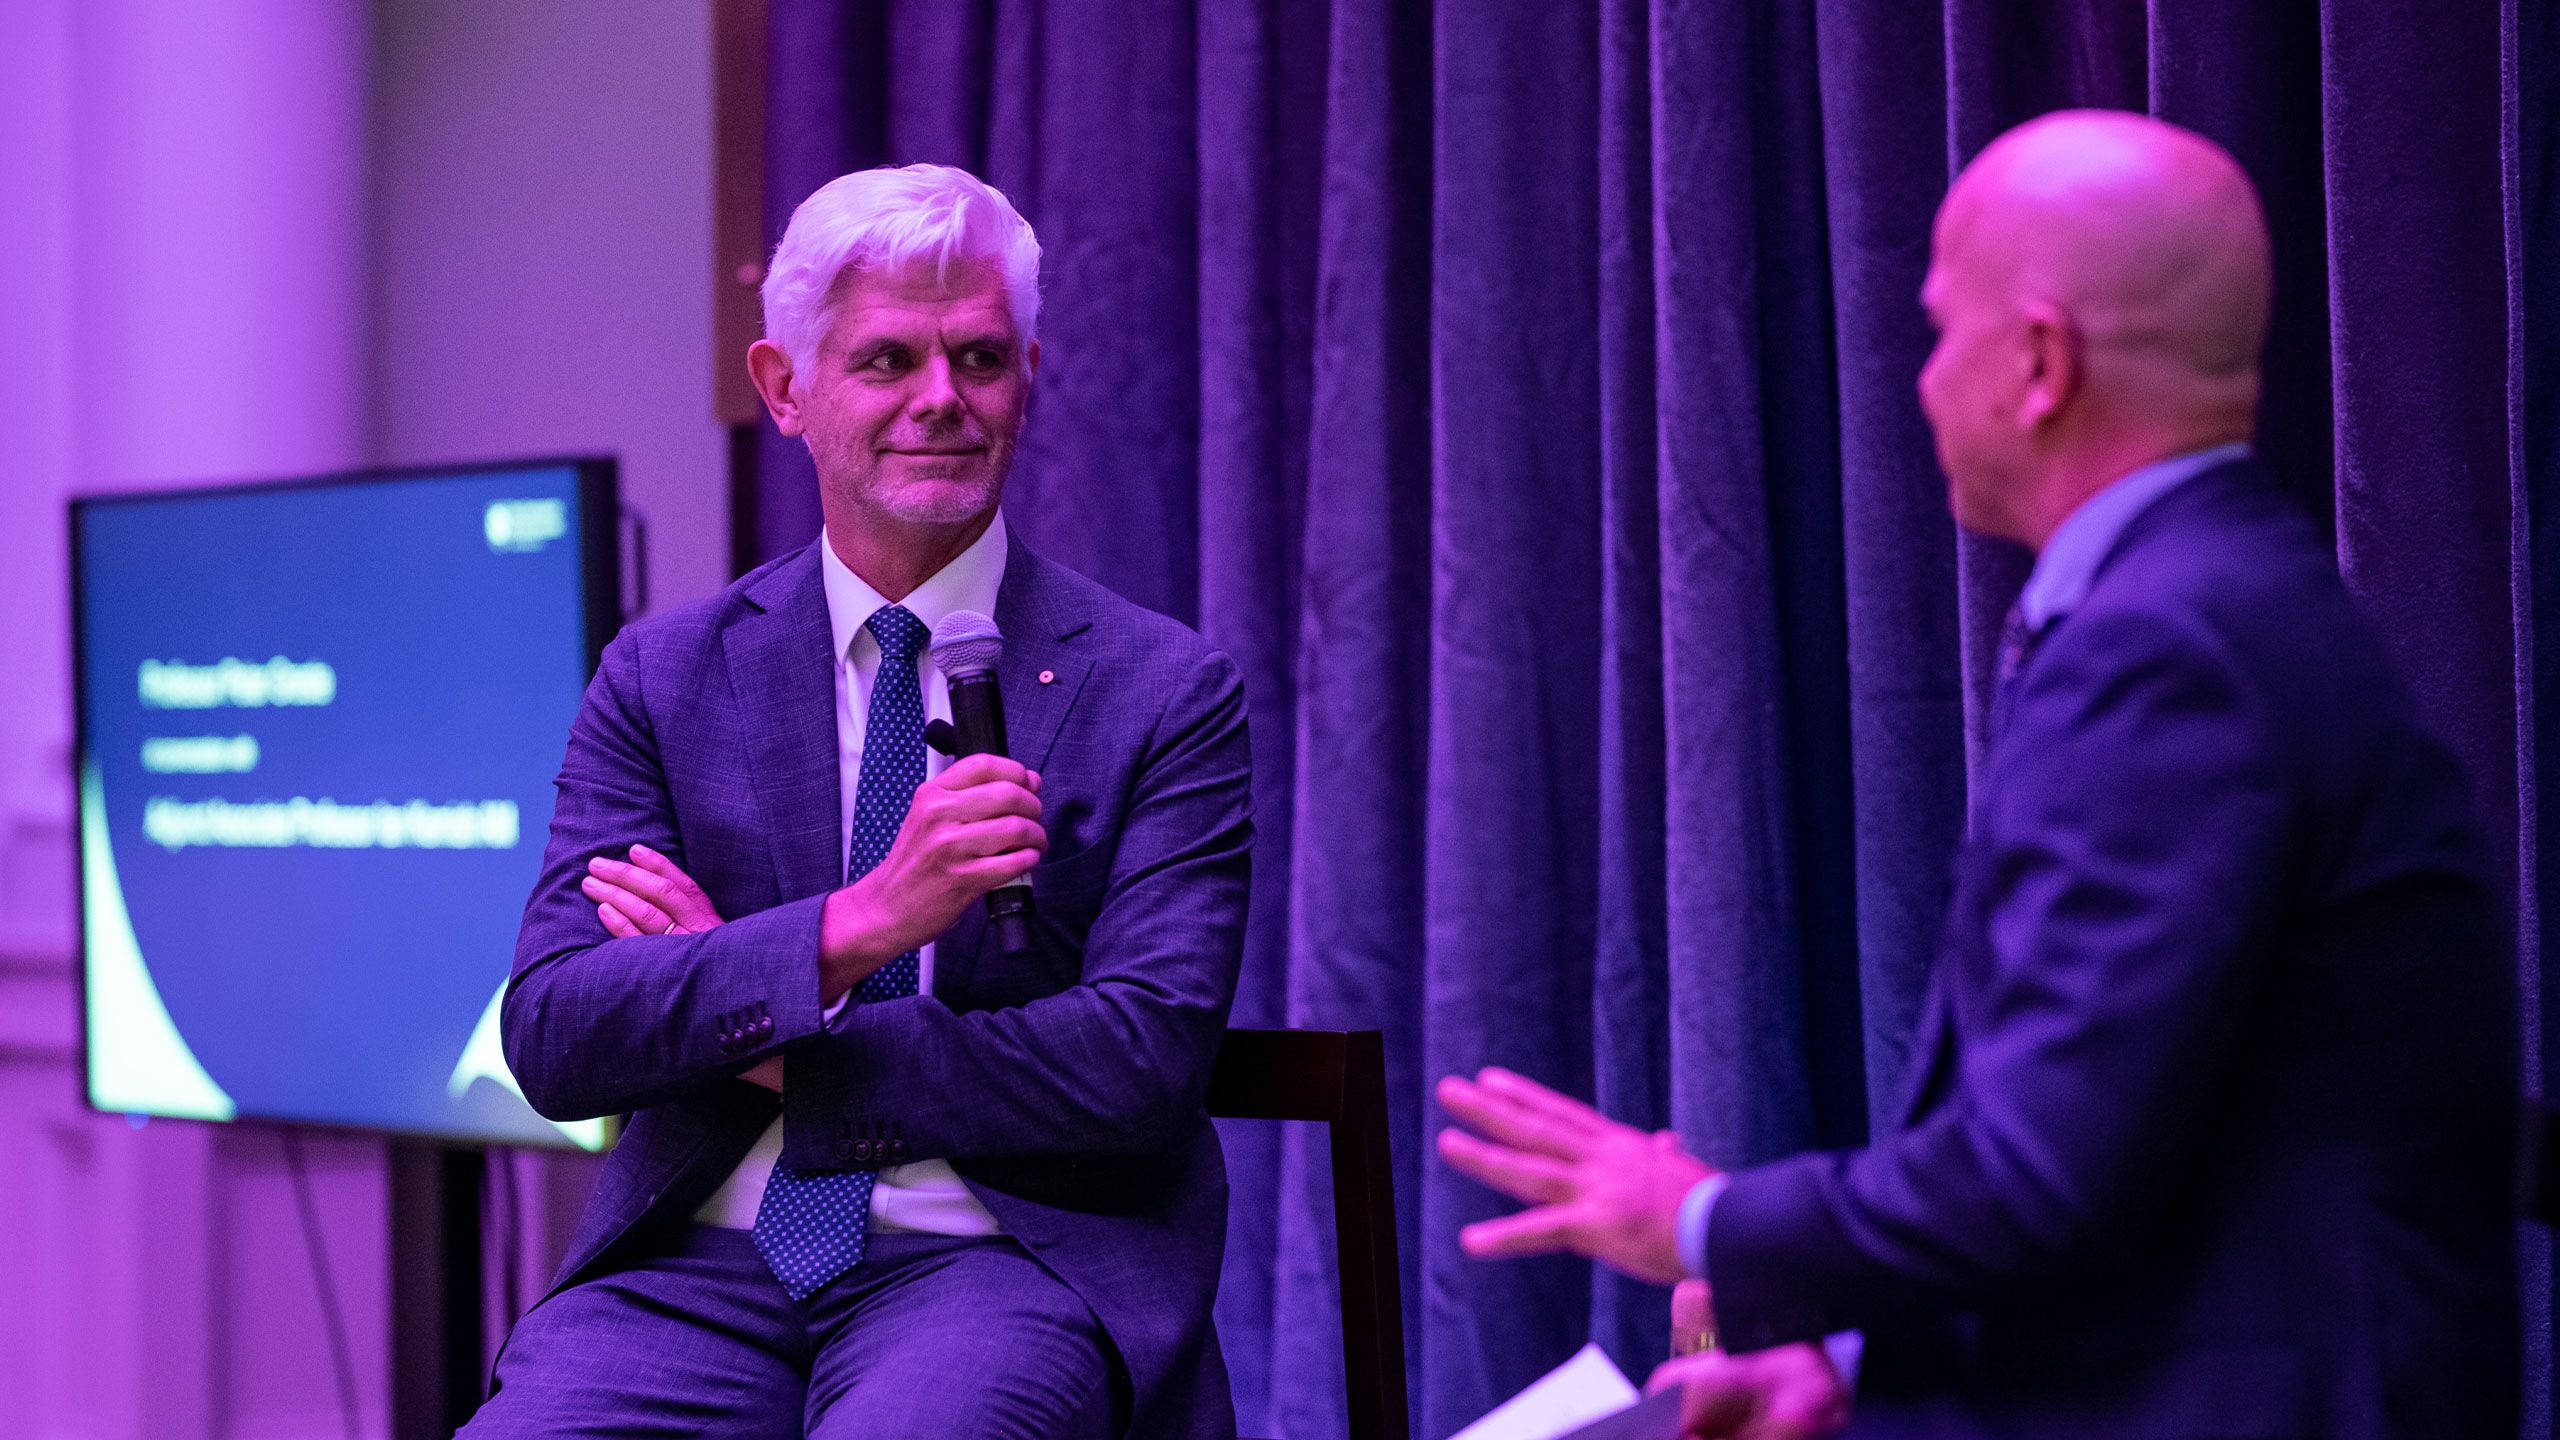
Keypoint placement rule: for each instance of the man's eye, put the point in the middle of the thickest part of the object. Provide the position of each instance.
(979, 357)
(887, 362)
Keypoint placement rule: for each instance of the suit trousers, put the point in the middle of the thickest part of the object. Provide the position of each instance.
(930, 1338)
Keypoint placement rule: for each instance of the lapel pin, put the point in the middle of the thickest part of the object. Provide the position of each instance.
(1048, 677)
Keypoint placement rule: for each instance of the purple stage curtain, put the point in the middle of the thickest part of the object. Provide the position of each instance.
(1524, 395)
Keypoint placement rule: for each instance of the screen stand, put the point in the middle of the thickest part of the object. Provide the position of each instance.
(436, 1335)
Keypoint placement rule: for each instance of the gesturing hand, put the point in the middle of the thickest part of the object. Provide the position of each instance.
(971, 829)
(1790, 1392)
(648, 896)
(1595, 1186)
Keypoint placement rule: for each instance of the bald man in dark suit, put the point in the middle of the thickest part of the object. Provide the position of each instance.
(2210, 1125)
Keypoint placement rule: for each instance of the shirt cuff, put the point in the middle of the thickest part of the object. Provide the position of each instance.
(1846, 1349)
(1696, 1209)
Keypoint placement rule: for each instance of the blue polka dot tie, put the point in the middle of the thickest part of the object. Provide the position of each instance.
(813, 1224)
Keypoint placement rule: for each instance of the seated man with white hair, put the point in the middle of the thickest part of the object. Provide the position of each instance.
(885, 1175)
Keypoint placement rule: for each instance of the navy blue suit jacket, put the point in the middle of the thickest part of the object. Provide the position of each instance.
(2211, 1122)
(1064, 1086)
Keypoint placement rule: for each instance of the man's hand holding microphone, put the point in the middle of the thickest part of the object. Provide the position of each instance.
(970, 830)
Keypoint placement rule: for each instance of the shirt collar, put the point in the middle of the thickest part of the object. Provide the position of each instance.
(969, 582)
(2068, 564)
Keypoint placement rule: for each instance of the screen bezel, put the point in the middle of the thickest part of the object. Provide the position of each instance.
(600, 588)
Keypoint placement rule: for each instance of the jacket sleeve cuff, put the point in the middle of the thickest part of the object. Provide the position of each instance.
(838, 1090)
(1765, 1255)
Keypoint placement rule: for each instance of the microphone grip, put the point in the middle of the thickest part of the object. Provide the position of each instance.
(977, 717)
(977, 714)
(1009, 912)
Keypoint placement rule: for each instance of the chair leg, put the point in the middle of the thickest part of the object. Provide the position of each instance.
(1364, 1233)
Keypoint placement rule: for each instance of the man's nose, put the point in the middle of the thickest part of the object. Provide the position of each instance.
(935, 394)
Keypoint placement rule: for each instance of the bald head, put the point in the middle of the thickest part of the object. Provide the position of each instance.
(2125, 261)
(2145, 234)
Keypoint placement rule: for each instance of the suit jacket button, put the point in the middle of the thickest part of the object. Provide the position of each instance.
(844, 1149)
(764, 1025)
(897, 1151)
(861, 1149)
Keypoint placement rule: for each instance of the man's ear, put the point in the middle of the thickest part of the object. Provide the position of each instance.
(770, 368)
(2054, 363)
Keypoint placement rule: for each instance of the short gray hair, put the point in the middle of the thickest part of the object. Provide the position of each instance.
(888, 219)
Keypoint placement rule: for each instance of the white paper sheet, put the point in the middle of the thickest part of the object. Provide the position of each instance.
(1571, 1395)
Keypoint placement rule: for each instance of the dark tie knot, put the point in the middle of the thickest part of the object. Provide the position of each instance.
(901, 634)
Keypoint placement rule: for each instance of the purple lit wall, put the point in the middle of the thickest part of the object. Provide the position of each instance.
(253, 239)
(541, 181)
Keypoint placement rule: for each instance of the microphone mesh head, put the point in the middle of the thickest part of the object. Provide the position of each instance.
(966, 643)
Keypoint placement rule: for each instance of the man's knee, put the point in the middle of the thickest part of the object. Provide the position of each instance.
(682, 1345)
(1035, 1401)
(986, 1343)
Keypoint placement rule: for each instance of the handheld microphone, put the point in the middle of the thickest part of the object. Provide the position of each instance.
(966, 648)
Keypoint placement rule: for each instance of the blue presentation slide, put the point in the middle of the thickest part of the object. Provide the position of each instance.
(319, 726)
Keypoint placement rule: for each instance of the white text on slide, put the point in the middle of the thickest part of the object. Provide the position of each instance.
(251, 684)
(200, 754)
(273, 824)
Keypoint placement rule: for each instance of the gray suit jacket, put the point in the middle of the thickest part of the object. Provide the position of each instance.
(1064, 1086)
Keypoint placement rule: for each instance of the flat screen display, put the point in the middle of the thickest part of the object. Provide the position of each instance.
(318, 725)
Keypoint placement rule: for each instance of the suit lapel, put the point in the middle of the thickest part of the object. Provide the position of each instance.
(1040, 618)
(782, 669)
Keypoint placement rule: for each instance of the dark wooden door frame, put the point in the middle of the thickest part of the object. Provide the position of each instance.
(739, 30)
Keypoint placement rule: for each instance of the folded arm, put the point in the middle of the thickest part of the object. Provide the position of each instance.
(597, 1024)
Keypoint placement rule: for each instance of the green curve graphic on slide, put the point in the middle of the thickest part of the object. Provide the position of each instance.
(485, 1058)
(138, 1062)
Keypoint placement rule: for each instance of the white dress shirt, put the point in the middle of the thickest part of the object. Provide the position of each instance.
(926, 1197)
